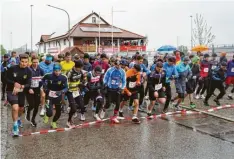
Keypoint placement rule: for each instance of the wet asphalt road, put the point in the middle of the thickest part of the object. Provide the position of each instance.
(178, 136)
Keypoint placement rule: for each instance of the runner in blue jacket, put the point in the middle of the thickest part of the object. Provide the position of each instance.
(115, 82)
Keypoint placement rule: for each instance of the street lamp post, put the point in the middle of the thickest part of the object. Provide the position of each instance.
(68, 22)
(191, 31)
(31, 30)
(112, 33)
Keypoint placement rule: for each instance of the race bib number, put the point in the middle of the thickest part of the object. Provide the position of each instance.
(213, 67)
(206, 69)
(35, 82)
(232, 70)
(158, 86)
(53, 94)
(132, 84)
(75, 94)
(114, 82)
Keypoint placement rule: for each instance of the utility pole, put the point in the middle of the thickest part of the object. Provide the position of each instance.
(68, 21)
(31, 29)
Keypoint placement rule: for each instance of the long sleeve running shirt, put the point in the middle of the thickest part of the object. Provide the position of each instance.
(15, 74)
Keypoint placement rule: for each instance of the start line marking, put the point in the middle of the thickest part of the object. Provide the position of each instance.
(183, 112)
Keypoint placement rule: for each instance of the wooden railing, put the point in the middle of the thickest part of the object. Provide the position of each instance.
(87, 48)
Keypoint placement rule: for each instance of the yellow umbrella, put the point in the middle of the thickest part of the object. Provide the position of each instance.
(200, 48)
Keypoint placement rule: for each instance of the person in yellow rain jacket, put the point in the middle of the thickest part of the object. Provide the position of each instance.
(67, 64)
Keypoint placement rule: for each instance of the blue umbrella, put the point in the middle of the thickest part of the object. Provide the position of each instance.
(167, 48)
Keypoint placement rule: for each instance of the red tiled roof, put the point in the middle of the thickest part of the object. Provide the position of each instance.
(44, 38)
(75, 31)
(124, 34)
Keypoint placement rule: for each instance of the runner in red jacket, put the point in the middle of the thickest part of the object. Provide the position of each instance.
(104, 65)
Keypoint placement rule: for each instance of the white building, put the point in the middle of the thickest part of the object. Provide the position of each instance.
(84, 37)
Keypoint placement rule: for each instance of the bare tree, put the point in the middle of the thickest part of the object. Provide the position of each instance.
(183, 49)
(202, 33)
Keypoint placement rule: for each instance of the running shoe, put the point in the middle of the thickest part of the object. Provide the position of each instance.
(27, 116)
(197, 97)
(102, 114)
(70, 124)
(121, 116)
(141, 108)
(217, 102)
(192, 105)
(75, 115)
(82, 117)
(135, 120)
(33, 123)
(206, 103)
(54, 125)
(68, 109)
(115, 120)
(202, 97)
(146, 98)
(15, 130)
(97, 117)
(45, 119)
(20, 123)
(230, 97)
(42, 113)
(93, 108)
(150, 116)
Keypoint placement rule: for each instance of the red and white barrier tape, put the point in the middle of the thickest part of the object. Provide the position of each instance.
(184, 112)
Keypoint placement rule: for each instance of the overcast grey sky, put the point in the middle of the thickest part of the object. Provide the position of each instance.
(161, 20)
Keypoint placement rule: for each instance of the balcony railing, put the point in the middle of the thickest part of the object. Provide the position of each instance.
(108, 49)
(87, 48)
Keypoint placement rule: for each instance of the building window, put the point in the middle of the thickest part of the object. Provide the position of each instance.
(94, 20)
(64, 42)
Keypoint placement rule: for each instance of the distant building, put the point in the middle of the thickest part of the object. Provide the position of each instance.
(84, 37)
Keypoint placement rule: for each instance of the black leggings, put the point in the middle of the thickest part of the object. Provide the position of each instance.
(215, 84)
(58, 107)
(74, 104)
(202, 86)
(168, 94)
(142, 94)
(97, 99)
(113, 96)
(33, 101)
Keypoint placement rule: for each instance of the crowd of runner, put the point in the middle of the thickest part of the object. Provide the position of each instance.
(66, 81)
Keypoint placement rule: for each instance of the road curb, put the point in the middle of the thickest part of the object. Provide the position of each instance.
(4, 122)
